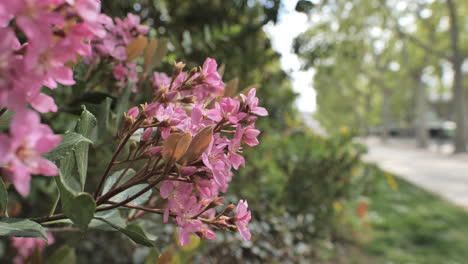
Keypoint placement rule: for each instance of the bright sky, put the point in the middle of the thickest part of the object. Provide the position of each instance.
(291, 24)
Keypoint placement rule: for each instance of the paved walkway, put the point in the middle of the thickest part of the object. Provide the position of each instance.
(437, 171)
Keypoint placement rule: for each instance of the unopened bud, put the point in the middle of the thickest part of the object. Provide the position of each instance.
(186, 87)
(188, 100)
(228, 209)
(178, 67)
(217, 201)
(133, 146)
(192, 72)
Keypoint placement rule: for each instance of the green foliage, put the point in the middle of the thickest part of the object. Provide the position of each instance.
(63, 255)
(323, 174)
(3, 197)
(84, 127)
(126, 175)
(78, 207)
(411, 225)
(12, 227)
(132, 231)
(294, 184)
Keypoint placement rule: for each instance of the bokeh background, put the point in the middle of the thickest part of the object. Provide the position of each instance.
(356, 162)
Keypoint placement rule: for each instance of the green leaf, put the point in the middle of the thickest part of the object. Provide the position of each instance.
(79, 208)
(114, 176)
(304, 6)
(64, 155)
(66, 146)
(103, 117)
(122, 103)
(14, 227)
(63, 255)
(84, 127)
(5, 120)
(3, 197)
(152, 256)
(112, 216)
(130, 191)
(134, 232)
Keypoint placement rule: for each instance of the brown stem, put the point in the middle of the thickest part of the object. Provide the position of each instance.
(3, 110)
(111, 163)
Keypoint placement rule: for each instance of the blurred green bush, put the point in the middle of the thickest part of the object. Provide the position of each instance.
(307, 195)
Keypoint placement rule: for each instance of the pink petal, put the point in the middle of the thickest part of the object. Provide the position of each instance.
(43, 103)
(47, 167)
(20, 178)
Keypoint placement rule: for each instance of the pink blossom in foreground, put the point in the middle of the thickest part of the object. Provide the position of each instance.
(252, 102)
(26, 246)
(54, 32)
(242, 217)
(192, 187)
(21, 150)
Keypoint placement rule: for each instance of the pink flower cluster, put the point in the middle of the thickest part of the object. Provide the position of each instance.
(27, 246)
(22, 148)
(55, 33)
(112, 45)
(187, 125)
(39, 38)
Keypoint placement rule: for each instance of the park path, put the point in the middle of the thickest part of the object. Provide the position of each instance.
(436, 171)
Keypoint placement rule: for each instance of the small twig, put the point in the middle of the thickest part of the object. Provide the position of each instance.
(54, 206)
(63, 229)
(3, 110)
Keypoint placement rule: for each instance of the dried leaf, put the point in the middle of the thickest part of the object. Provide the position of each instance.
(150, 51)
(166, 257)
(198, 145)
(182, 145)
(136, 47)
(160, 52)
(211, 104)
(247, 89)
(175, 146)
(231, 87)
(170, 145)
(221, 69)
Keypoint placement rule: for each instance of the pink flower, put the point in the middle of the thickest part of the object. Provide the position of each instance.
(250, 136)
(26, 246)
(216, 161)
(87, 9)
(234, 146)
(214, 84)
(252, 102)
(227, 109)
(21, 150)
(242, 217)
(160, 79)
(133, 112)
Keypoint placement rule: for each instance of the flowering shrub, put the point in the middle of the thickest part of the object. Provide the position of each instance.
(173, 155)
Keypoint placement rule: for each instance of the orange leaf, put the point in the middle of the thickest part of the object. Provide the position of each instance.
(166, 257)
(136, 47)
(175, 146)
(149, 53)
(198, 145)
(231, 87)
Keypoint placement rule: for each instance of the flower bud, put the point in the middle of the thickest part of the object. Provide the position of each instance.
(228, 209)
(147, 134)
(188, 100)
(217, 201)
(178, 67)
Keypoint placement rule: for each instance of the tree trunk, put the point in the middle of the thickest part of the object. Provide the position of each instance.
(420, 119)
(458, 92)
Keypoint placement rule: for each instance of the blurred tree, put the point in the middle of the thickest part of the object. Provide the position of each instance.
(229, 31)
(394, 44)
